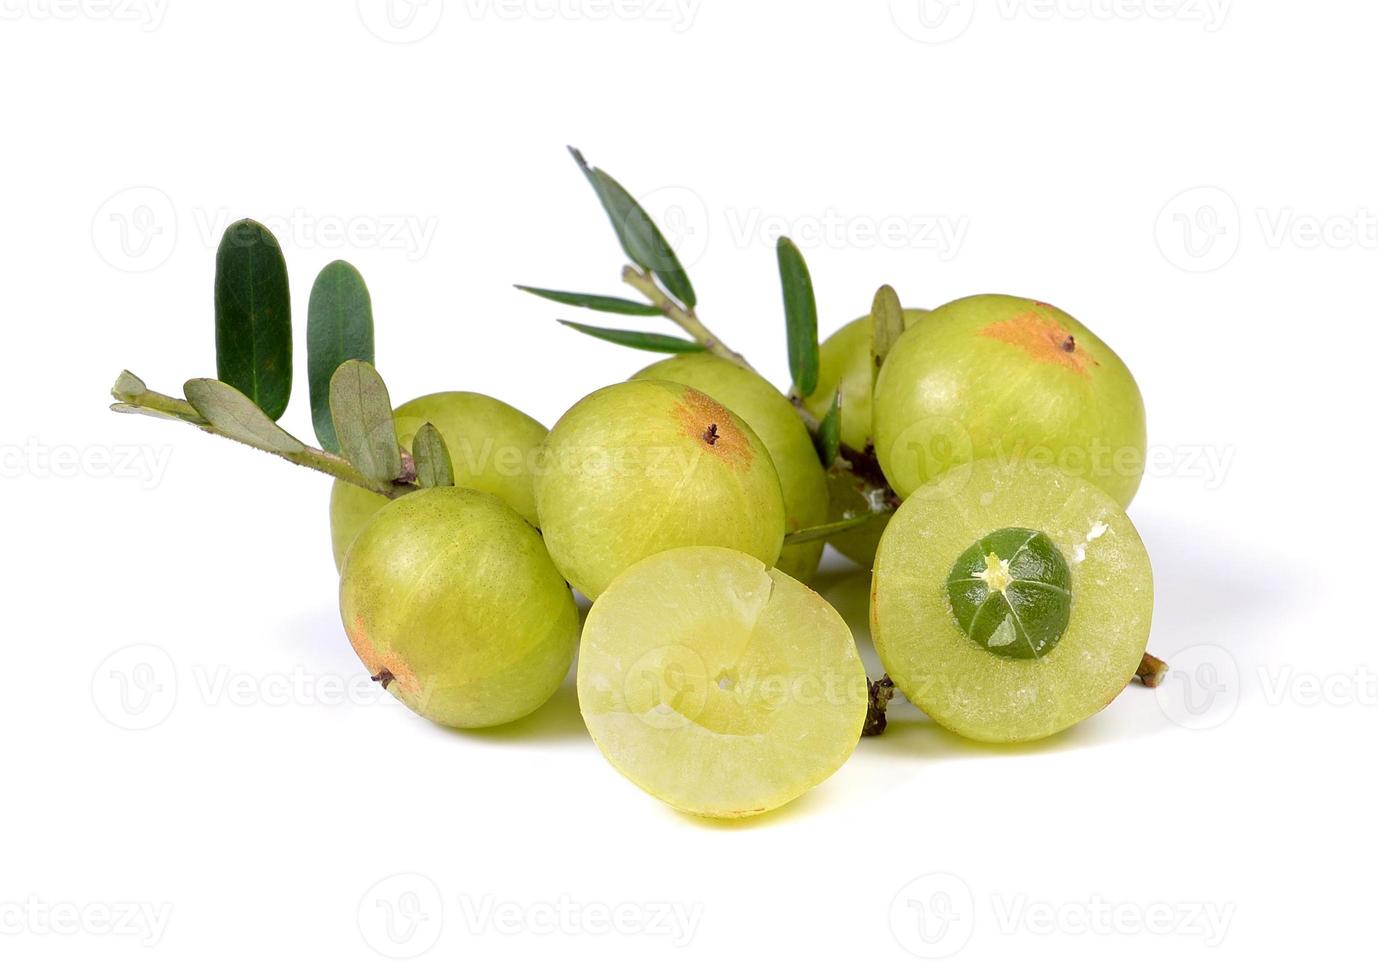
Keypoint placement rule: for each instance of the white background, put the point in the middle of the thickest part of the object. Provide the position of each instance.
(1191, 178)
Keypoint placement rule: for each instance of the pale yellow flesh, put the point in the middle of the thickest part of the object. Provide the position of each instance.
(967, 689)
(718, 685)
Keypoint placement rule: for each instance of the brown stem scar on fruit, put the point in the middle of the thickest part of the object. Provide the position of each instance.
(383, 677)
(1039, 334)
(711, 435)
(879, 694)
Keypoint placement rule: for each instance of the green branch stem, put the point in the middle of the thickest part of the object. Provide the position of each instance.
(156, 403)
(643, 282)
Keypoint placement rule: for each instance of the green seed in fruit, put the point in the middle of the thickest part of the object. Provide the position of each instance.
(644, 466)
(718, 684)
(1010, 601)
(452, 603)
(774, 420)
(493, 447)
(1007, 378)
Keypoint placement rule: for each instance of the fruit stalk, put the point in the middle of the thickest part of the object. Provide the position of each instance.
(145, 401)
(862, 462)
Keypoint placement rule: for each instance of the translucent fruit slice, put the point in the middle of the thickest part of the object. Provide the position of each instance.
(1010, 601)
(718, 685)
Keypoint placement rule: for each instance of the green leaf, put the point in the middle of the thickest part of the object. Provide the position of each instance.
(603, 304)
(127, 386)
(433, 466)
(362, 413)
(828, 438)
(253, 316)
(640, 238)
(657, 342)
(887, 323)
(801, 317)
(339, 328)
(125, 408)
(230, 412)
(824, 531)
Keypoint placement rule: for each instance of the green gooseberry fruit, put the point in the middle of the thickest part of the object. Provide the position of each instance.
(644, 466)
(493, 447)
(452, 603)
(719, 685)
(1010, 600)
(845, 363)
(1007, 378)
(774, 420)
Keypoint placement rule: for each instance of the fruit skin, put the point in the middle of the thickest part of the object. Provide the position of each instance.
(1000, 376)
(964, 687)
(845, 362)
(644, 466)
(719, 685)
(452, 593)
(493, 447)
(779, 427)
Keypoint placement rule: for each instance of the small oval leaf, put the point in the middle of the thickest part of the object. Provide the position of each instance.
(253, 316)
(641, 240)
(339, 328)
(828, 438)
(887, 323)
(801, 317)
(229, 411)
(362, 414)
(603, 304)
(432, 459)
(128, 385)
(657, 342)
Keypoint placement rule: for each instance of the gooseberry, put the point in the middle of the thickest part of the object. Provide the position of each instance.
(645, 466)
(774, 420)
(845, 364)
(1010, 600)
(452, 603)
(493, 447)
(1003, 377)
(718, 684)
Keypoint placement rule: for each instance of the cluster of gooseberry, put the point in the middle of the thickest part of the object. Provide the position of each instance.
(977, 457)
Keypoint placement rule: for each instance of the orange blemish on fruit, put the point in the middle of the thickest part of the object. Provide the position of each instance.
(1043, 338)
(383, 668)
(713, 427)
